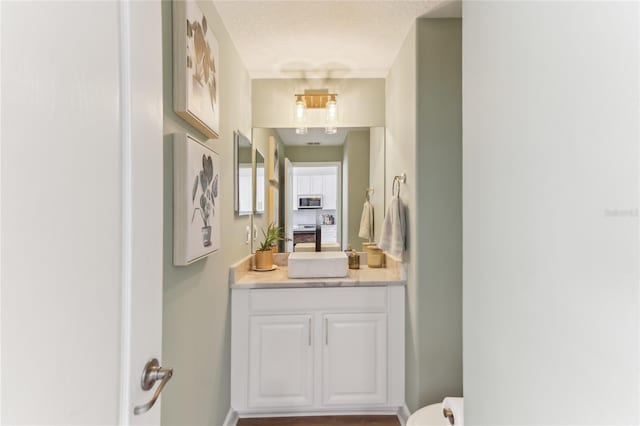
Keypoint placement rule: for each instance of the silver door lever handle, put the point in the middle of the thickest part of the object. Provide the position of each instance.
(150, 375)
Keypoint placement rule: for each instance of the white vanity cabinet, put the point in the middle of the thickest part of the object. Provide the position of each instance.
(315, 350)
(281, 361)
(354, 369)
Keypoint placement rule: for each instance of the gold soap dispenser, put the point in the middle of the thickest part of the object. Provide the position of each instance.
(354, 258)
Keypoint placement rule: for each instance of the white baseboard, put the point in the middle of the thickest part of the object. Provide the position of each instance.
(232, 418)
(403, 414)
(303, 412)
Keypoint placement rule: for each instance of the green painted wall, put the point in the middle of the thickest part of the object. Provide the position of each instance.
(314, 153)
(355, 180)
(196, 321)
(438, 229)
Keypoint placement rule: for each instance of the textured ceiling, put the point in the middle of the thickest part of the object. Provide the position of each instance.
(323, 39)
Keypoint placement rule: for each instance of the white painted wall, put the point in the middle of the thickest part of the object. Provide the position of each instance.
(551, 98)
(361, 101)
(196, 297)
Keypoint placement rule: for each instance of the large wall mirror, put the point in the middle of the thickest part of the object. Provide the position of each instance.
(323, 183)
(243, 177)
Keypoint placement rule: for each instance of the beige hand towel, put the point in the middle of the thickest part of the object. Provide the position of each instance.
(366, 222)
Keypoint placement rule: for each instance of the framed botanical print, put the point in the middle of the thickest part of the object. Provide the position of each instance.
(196, 68)
(196, 200)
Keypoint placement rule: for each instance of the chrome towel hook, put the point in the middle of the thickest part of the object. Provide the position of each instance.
(398, 179)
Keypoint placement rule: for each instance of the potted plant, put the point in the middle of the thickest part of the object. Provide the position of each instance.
(264, 253)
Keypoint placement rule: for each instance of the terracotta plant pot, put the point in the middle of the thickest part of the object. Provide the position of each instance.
(264, 259)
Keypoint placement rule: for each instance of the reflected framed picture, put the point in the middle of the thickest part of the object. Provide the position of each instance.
(196, 68)
(196, 200)
(274, 161)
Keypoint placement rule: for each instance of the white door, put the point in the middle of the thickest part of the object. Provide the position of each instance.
(354, 367)
(81, 210)
(280, 361)
(288, 205)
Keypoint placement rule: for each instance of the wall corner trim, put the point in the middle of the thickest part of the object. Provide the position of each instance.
(403, 414)
(232, 418)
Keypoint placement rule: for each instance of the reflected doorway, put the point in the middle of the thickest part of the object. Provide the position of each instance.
(314, 193)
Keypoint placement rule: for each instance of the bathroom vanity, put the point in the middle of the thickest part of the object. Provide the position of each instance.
(312, 346)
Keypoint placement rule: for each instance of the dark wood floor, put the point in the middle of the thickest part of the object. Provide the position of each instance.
(322, 421)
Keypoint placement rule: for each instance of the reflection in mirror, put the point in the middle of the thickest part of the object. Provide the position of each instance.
(323, 185)
(259, 180)
(243, 175)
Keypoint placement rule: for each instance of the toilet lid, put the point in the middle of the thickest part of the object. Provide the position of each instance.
(431, 415)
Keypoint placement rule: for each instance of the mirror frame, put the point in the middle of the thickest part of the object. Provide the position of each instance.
(238, 136)
(257, 212)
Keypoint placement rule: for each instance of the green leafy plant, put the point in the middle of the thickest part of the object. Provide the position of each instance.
(272, 235)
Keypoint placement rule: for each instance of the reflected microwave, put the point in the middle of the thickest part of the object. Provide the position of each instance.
(309, 201)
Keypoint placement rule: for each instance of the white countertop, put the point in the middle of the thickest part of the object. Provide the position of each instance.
(242, 277)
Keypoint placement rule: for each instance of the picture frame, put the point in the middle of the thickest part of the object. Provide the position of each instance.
(196, 200)
(196, 68)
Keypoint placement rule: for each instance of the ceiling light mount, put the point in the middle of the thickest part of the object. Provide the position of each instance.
(314, 99)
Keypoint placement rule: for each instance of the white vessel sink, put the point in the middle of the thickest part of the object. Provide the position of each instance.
(324, 264)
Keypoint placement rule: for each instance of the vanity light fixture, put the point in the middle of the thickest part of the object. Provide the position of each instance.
(316, 99)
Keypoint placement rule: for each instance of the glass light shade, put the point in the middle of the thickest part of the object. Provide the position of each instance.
(331, 120)
(301, 116)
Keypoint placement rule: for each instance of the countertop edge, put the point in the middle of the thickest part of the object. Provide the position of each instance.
(238, 273)
(316, 284)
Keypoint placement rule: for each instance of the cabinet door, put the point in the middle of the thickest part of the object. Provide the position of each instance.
(304, 185)
(280, 361)
(329, 191)
(355, 359)
(316, 185)
(329, 234)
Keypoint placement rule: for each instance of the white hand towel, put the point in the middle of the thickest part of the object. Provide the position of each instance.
(456, 405)
(393, 234)
(366, 222)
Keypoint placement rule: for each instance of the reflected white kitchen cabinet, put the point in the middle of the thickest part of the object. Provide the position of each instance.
(315, 185)
(355, 359)
(329, 192)
(329, 234)
(304, 185)
(281, 361)
(309, 185)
